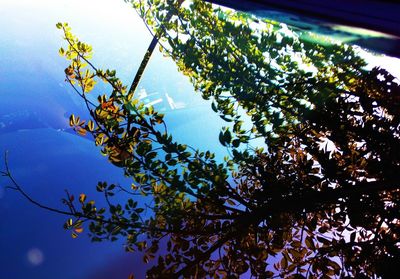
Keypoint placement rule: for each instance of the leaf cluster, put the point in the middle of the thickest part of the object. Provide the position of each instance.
(321, 199)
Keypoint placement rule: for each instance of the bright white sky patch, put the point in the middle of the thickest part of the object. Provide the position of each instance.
(391, 64)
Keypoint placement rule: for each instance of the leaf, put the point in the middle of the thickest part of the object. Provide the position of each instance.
(310, 243)
(89, 85)
(82, 198)
(214, 107)
(72, 120)
(335, 266)
(353, 236)
(230, 202)
(61, 51)
(236, 143)
(284, 263)
(80, 131)
(323, 240)
(78, 230)
(296, 254)
(90, 125)
(225, 118)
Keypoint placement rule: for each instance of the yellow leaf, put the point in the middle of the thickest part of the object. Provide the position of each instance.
(90, 125)
(89, 85)
(72, 120)
(82, 198)
(78, 230)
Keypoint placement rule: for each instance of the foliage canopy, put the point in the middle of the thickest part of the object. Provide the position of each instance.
(320, 199)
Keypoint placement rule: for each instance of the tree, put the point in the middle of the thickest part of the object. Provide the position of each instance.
(321, 199)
